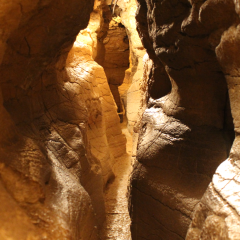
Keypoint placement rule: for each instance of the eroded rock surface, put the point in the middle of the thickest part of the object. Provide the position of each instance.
(60, 133)
(60, 130)
(116, 59)
(186, 129)
(130, 90)
(217, 215)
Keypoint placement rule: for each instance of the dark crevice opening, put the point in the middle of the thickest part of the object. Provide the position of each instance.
(228, 126)
(159, 84)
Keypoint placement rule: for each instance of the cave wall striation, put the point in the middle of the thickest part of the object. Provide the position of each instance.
(60, 131)
(217, 216)
(186, 131)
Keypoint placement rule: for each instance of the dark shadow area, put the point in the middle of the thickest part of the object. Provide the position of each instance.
(228, 127)
(160, 84)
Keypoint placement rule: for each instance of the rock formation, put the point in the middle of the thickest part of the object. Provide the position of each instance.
(116, 59)
(108, 35)
(60, 129)
(108, 42)
(130, 90)
(217, 216)
(186, 130)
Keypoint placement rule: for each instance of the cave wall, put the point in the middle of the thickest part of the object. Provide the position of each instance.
(52, 116)
(57, 119)
(186, 131)
(116, 58)
(134, 87)
(130, 90)
(91, 84)
(107, 37)
(110, 47)
(217, 214)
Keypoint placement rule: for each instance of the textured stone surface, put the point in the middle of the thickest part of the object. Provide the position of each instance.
(116, 58)
(110, 46)
(185, 133)
(52, 173)
(88, 80)
(118, 221)
(60, 131)
(217, 215)
(107, 36)
(130, 90)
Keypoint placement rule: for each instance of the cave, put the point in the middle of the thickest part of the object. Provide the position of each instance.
(119, 120)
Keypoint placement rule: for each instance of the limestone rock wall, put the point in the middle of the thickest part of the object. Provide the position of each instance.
(110, 47)
(88, 80)
(88, 54)
(130, 90)
(133, 88)
(186, 131)
(116, 58)
(60, 131)
(107, 36)
(217, 216)
(55, 154)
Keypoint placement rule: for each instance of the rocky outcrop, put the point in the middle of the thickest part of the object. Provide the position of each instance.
(59, 124)
(186, 130)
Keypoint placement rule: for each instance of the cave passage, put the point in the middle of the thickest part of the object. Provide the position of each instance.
(108, 46)
(102, 139)
(114, 58)
(114, 55)
(117, 225)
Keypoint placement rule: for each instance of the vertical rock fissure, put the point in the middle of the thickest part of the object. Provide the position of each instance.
(104, 45)
(62, 144)
(114, 44)
(114, 57)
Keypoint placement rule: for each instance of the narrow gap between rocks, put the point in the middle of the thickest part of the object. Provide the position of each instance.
(105, 43)
(114, 58)
(117, 226)
(71, 112)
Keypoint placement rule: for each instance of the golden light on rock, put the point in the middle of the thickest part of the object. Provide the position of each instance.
(119, 120)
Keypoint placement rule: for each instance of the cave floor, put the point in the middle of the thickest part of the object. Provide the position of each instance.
(117, 226)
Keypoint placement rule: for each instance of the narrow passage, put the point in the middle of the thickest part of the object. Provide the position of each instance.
(117, 225)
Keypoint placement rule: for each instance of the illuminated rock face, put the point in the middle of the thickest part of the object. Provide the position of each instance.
(116, 59)
(117, 46)
(88, 82)
(131, 90)
(107, 36)
(60, 131)
(59, 125)
(186, 130)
